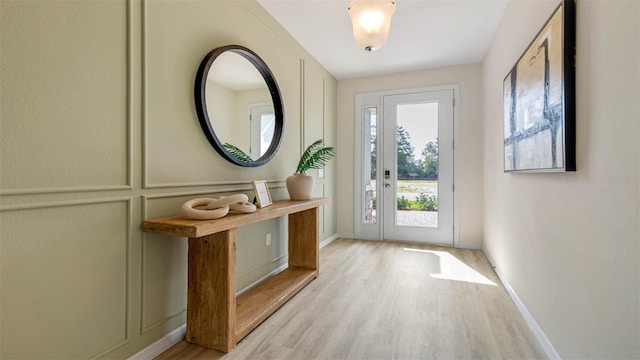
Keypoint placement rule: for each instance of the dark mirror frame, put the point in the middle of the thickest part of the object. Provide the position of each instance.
(203, 115)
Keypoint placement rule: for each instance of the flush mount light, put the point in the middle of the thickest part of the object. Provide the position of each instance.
(371, 22)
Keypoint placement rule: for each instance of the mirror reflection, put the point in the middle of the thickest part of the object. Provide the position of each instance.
(239, 105)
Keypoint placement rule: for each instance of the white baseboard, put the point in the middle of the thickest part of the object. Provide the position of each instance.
(161, 345)
(179, 334)
(347, 236)
(261, 270)
(544, 342)
(275, 271)
(280, 268)
(328, 240)
(469, 246)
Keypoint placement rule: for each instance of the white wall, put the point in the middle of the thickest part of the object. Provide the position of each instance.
(469, 146)
(98, 132)
(568, 243)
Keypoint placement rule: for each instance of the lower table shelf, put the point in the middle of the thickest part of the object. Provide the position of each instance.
(257, 304)
(215, 317)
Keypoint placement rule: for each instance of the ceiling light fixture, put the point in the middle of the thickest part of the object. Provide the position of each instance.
(371, 22)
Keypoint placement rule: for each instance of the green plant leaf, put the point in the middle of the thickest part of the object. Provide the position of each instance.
(237, 153)
(320, 158)
(306, 155)
(315, 157)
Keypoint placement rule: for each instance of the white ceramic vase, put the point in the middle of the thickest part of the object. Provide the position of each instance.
(300, 186)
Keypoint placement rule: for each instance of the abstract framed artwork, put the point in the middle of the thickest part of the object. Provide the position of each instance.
(539, 100)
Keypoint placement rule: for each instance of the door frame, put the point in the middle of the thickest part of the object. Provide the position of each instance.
(255, 127)
(371, 99)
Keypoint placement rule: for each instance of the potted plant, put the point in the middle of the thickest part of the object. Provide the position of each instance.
(316, 156)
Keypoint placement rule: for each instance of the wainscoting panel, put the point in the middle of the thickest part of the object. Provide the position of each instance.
(164, 282)
(66, 103)
(313, 105)
(65, 293)
(318, 191)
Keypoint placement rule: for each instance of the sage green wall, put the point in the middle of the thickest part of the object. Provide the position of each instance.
(98, 132)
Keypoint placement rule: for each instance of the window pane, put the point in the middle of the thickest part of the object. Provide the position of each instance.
(267, 126)
(370, 165)
(417, 164)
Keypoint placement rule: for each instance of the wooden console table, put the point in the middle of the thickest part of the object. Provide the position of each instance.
(215, 318)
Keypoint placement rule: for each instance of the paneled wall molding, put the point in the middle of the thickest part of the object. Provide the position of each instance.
(65, 203)
(230, 189)
(143, 93)
(130, 92)
(128, 116)
(131, 152)
(145, 329)
(240, 185)
(302, 106)
(63, 206)
(58, 190)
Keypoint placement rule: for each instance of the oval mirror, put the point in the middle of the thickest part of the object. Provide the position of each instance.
(239, 105)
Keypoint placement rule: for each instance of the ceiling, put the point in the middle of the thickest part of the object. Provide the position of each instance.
(424, 34)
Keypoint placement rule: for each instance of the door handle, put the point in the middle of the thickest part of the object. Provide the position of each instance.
(387, 185)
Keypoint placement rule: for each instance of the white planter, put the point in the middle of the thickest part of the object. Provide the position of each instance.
(300, 186)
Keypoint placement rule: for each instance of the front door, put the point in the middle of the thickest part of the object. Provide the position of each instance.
(418, 167)
(407, 167)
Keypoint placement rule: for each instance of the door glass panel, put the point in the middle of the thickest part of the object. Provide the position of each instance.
(417, 165)
(267, 126)
(262, 125)
(370, 165)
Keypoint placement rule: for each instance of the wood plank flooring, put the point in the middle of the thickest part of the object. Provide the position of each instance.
(388, 300)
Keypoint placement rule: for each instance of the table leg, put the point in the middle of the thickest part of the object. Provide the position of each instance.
(304, 246)
(211, 293)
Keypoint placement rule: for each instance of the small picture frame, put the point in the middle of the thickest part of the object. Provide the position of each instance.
(263, 197)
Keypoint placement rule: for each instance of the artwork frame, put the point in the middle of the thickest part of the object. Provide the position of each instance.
(539, 123)
(263, 196)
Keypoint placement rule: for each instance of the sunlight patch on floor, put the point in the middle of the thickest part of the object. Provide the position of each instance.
(451, 268)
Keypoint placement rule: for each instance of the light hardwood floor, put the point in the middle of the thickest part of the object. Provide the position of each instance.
(389, 300)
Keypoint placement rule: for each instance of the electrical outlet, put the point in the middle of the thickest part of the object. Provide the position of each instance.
(320, 173)
(267, 239)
